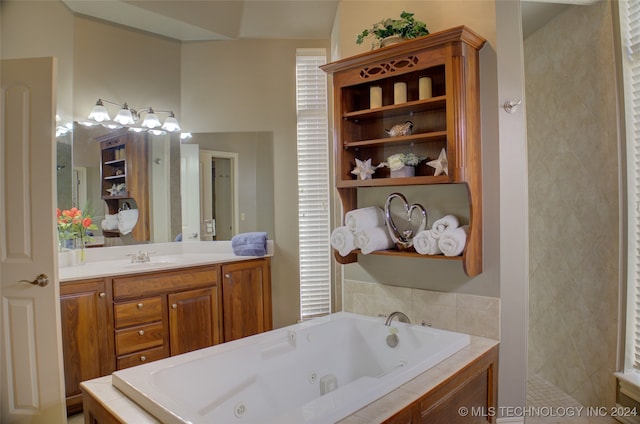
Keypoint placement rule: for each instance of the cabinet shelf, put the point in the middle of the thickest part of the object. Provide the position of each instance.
(400, 140)
(448, 120)
(120, 162)
(125, 195)
(407, 108)
(385, 182)
(116, 177)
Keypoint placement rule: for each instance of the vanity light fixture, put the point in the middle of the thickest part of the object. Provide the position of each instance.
(128, 117)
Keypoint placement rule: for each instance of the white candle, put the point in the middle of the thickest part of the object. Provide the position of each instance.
(399, 92)
(424, 88)
(375, 97)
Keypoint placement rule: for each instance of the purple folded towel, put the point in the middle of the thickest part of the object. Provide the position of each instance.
(250, 244)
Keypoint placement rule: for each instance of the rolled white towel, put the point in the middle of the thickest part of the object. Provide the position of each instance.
(127, 219)
(110, 222)
(426, 244)
(452, 242)
(342, 240)
(360, 219)
(372, 239)
(447, 222)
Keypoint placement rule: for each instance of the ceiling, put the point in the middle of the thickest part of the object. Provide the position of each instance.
(197, 20)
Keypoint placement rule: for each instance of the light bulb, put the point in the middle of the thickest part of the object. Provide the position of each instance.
(171, 124)
(99, 112)
(124, 116)
(151, 120)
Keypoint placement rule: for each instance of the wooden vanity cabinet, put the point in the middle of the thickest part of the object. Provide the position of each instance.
(160, 314)
(449, 119)
(86, 323)
(246, 294)
(193, 319)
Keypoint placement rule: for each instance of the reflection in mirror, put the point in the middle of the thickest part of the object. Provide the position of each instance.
(247, 155)
(64, 171)
(237, 195)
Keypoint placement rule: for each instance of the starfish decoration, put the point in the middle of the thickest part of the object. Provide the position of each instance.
(363, 169)
(116, 189)
(441, 164)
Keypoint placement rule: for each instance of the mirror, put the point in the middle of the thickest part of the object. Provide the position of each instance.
(64, 170)
(232, 202)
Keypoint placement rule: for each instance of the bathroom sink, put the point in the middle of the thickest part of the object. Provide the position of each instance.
(154, 262)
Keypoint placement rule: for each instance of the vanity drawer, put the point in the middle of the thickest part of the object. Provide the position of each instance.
(139, 338)
(137, 312)
(151, 284)
(139, 358)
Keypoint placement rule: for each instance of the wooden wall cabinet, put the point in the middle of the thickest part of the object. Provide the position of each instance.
(86, 322)
(449, 120)
(246, 289)
(125, 160)
(120, 322)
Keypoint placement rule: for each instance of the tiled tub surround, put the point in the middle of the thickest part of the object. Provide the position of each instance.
(115, 407)
(464, 313)
(111, 261)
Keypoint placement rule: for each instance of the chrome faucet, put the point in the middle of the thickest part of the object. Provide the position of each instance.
(401, 317)
(140, 257)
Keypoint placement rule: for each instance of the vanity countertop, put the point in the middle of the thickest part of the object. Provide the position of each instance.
(110, 261)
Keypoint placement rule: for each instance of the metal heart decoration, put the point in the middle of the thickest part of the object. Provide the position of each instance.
(403, 238)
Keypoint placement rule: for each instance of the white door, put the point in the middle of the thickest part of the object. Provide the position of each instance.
(30, 336)
(224, 218)
(190, 191)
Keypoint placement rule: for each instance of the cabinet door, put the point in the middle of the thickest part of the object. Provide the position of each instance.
(246, 299)
(87, 352)
(193, 319)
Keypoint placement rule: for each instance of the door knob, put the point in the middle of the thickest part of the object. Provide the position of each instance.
(41, 280)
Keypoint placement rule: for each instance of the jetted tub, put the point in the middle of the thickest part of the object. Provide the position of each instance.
(316, 372)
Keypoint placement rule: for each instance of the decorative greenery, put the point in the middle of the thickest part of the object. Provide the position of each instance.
(399, 160)
(406, 27)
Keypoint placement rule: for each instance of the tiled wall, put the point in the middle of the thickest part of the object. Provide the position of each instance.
(573, 203)
(476, 315)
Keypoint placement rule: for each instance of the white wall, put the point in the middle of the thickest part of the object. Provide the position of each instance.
(41, 29)
(249, 85)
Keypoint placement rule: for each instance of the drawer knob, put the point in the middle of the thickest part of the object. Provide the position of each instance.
(140, 305)
(227, 275)
(143, 358)
(174, 306)
(141, 332)
(103, 294)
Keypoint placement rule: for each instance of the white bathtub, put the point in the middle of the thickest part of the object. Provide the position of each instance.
(278, 376)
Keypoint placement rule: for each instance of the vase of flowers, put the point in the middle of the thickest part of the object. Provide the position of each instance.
(74, 228)
(402, 164)
(388, 31)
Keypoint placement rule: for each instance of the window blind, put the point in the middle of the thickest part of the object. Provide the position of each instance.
(313, 184)
(630, 27)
